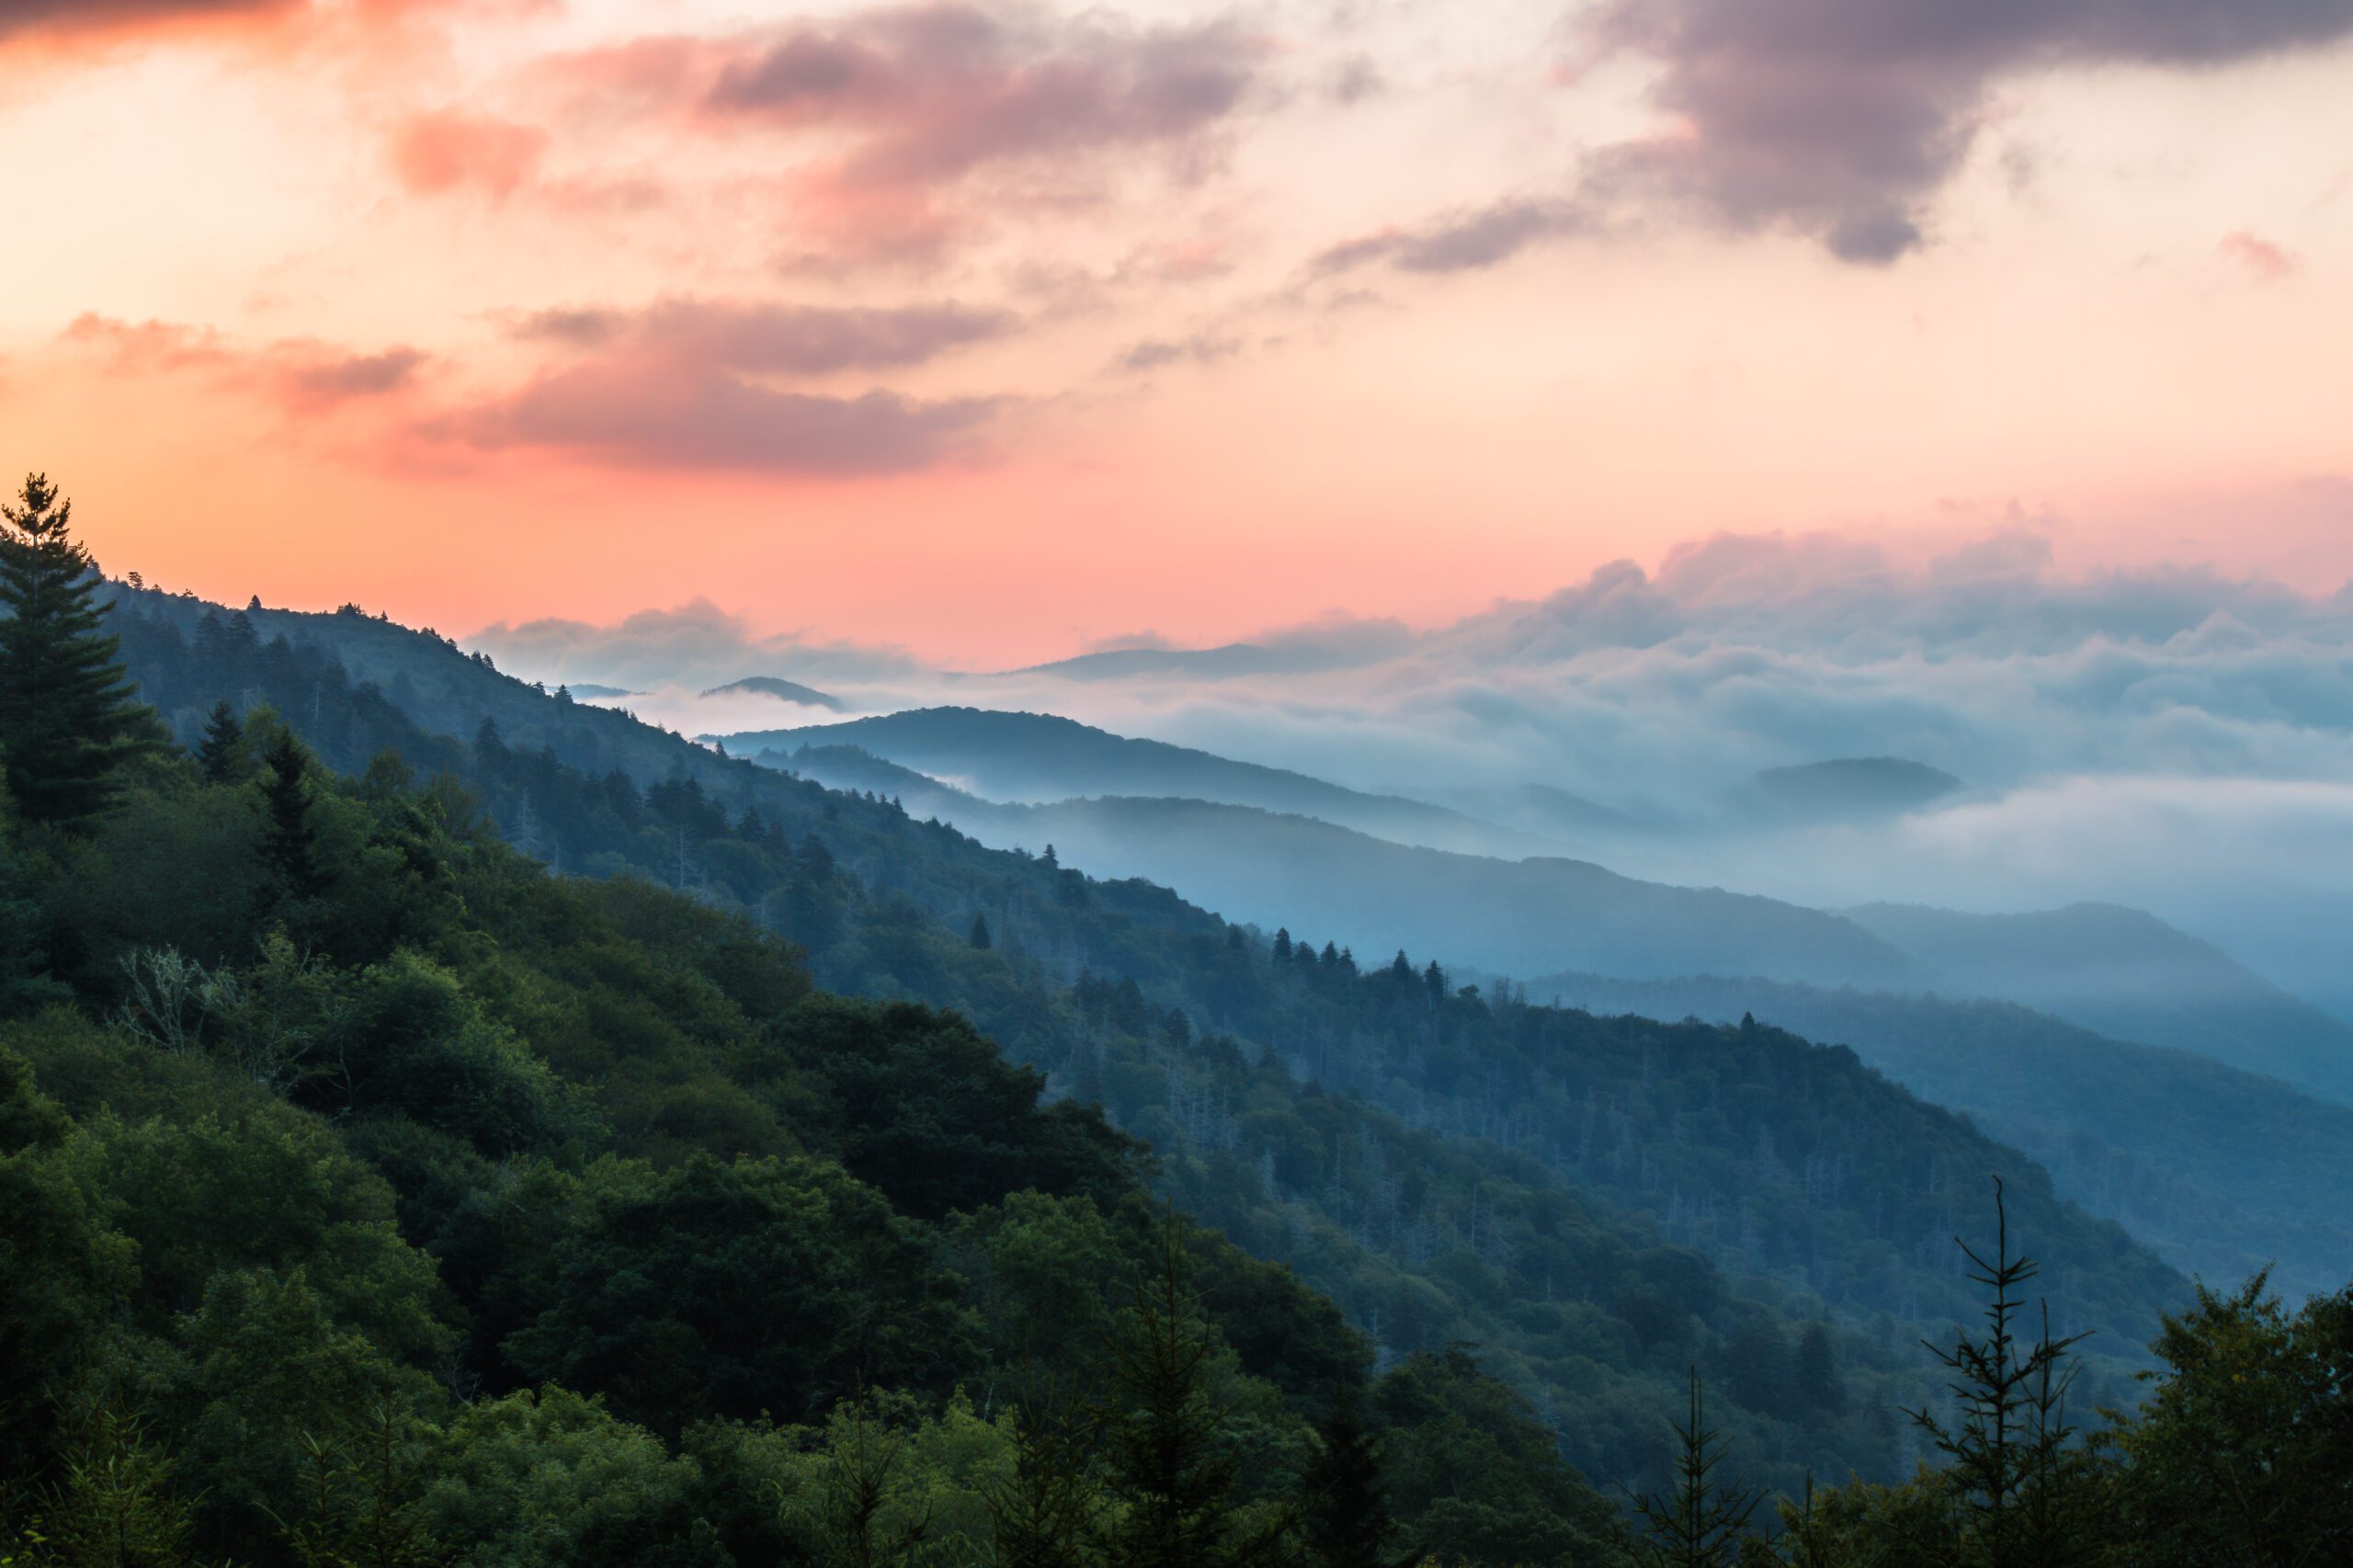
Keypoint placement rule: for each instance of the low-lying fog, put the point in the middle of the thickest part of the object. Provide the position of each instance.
(2173, 740)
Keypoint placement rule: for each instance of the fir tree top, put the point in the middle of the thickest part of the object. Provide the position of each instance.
(68, 721)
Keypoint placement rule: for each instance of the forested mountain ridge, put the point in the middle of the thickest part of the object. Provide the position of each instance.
(2127, 973)
(1674, 1136)
(325, 1119)
(2221, 1171)
(1010, 756)
(2117, 972)
(332, 1189)
(1267, 867)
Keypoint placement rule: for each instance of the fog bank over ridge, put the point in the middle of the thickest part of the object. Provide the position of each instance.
(2173, 739)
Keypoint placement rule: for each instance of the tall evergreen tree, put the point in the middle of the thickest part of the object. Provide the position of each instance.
(979, 934)
(2010, 1458)
(224, 742)
(1042, 1508)
(1700, 1523)
(67, 719)
(1165, 1459)
(1345, 1521)
(289, 839)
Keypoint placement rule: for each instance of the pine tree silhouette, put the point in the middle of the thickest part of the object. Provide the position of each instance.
(1345, 1522)
(1699, 1524)
(2009, 1451)
(68, 721)
(225, 735)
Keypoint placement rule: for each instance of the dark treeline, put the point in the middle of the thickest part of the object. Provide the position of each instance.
(373, 1196)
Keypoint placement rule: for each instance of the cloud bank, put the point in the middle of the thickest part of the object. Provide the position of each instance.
(1840, 118)
(2172, 739)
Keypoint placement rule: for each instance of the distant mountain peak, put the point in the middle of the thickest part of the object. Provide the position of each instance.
(1225, 662)
(783, 690)
(1848, 787)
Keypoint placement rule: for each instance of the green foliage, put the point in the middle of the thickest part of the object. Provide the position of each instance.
(362, 1495)
(1344, 1518)
(739, 1289)
(267, 1384)
(67, 721)
(289, 841)
(552, 1480)
(115, 1501)
(1700, 1523)
(1170, 1469)
(221, 755)
(1475, 1477)
(2009, 1461)
(2244, 1453)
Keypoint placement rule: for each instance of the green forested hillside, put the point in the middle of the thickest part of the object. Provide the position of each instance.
(333, 1190)
(2129, 975)
(2221, 1171)
(1411, 1150)
(370, 1195)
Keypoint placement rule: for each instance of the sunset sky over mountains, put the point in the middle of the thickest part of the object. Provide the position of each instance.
(994, 331)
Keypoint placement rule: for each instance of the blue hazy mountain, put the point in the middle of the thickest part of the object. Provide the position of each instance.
(1843, 789)
(2221, 1170)
(783, 690)
(1013, 756)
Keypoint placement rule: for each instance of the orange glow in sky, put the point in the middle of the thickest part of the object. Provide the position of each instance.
(994, 331)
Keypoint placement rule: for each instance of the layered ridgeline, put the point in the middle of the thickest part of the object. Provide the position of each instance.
(333, 1121)
(1598, 1203)
(2223, 1169)
(2221, 1172)
(1218, 833)
(1043, 757)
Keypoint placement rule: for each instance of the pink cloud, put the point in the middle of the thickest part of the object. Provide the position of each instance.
(902, 107)
(306, 379)
(436, 153)
(139, 347)
(677, 414)
(2261, 259)
(691, 384)
(301, 377)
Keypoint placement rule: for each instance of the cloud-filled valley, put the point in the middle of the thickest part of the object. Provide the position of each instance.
(2087, 718)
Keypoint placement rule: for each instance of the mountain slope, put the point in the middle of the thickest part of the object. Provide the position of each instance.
(2221, 1171)
(1408, 1147)
(2126, 974)
(1042, 758)
(607, 1235)
(1525, 916)
(2115, 972)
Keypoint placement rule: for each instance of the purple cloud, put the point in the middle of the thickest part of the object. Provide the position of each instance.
(1840, 118)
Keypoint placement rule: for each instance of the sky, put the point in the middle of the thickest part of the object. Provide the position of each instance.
(988, 333)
